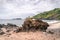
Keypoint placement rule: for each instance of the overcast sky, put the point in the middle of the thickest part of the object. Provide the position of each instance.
(23, 8)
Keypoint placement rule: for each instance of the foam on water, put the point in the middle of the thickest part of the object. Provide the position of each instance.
(51, 21)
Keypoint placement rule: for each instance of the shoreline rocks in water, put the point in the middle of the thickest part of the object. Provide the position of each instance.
(7, 28)
(25, 32)
(28, 25)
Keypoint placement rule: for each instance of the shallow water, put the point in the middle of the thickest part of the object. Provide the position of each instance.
(17, 22)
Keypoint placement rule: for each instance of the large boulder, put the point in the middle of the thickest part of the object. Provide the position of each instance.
(34, 24)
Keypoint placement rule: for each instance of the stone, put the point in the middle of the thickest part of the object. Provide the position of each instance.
(34, 24)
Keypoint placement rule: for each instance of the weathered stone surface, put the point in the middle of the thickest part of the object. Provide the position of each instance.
(34, 24)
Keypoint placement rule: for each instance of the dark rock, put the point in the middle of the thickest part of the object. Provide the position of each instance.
(19, 29)
(28, 25)
(8, 30)
(11, 25)
(34, 24)
(1, 32)
(2, 25)
(50, 32)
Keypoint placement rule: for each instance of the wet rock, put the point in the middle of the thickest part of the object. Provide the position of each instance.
(34, 24)
(11, 25)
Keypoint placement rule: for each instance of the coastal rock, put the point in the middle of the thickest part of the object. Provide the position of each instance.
(8, 28)
(19, 29)
(13, 25)
(2, 25)
(34, 24)
(1, 32)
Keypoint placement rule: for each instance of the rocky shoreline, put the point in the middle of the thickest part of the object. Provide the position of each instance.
(30, 27)
(7, 28)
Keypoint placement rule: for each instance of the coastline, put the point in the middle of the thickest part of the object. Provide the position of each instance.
(37, 35)
(30, 36)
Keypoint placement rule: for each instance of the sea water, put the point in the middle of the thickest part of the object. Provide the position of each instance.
(16, 22)
(20, 22)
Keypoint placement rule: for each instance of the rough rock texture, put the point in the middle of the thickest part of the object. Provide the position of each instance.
(34, 24)
(4, 29)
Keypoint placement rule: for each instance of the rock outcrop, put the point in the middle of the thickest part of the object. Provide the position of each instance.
(28, 25)
(34, 24)
(4, 29)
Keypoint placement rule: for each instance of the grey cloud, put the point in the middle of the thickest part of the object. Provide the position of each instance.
(22, 8)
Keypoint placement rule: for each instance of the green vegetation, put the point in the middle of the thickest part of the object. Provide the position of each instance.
(49, 15)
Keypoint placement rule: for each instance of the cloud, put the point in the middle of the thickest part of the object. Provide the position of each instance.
(24, 8)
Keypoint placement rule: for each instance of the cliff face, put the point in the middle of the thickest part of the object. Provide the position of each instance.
(49, 15)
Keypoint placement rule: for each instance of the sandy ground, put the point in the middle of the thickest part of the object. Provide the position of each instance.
(30, 36)
(55, 27)
(38, 35)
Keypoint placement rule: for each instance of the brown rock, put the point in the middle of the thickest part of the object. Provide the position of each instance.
(34, 24)
(19, 29)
